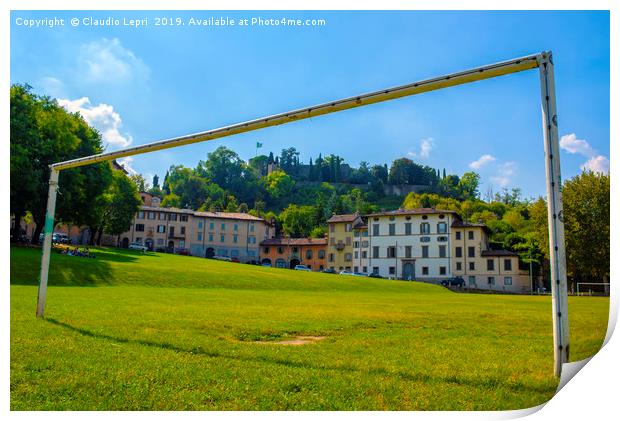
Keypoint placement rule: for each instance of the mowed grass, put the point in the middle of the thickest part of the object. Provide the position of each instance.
(163, 332)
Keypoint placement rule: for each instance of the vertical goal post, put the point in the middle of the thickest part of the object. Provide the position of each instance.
(542, 61)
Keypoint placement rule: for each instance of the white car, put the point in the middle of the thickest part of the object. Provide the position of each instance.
(138, 246)
(346, 272)
(223, 258)
(303, 267)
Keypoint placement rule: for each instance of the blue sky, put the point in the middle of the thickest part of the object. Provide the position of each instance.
(138, 85)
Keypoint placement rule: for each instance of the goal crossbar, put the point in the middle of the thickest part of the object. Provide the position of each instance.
(542, 61)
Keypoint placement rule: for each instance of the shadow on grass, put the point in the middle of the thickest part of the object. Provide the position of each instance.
(488, 383)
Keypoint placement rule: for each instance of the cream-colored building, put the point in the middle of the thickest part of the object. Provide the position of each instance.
(340, 241)
(205, 234)
(481, 267)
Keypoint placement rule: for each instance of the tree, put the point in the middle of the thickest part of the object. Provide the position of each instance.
(222, 167)
(468, 186)
(278, 184)
(155, 181)
(166, 185)
(298, 221)
(586, 226)
(43, 133)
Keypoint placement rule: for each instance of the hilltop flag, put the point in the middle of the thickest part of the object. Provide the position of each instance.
(259, 145)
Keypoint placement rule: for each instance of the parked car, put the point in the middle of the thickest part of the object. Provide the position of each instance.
(56, 238)
(267, 265)
(330, 270)
(222, 258)
(456, 281)
(184, 252)
(358, 274)
(346, 272)
(303, 267)
(234, 259)
(375, 275)
(138, 246)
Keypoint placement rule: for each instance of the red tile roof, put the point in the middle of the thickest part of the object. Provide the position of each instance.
(294, 242)
(216, 215)
(343, 218)
(417, 211)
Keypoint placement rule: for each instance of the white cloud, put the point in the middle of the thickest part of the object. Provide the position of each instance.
(52, 86)
(482, 161)
(505, 172)
(598, 164)
(595, 162)
(102, 117)
(426, 146)
(571, 144)
(126, 163)
(107, 60)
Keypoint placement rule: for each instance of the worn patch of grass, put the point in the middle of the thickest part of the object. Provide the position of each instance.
(154, 331)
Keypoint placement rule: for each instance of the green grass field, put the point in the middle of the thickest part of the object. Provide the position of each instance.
(162, 332)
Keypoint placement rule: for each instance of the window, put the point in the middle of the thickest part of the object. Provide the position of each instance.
(507, 264)
(425, 228)
(182, 244)
(508, 280)
(425, 239)
(356, 244)
(223, 227)
(408, 251)
(222, 238)
(442, 251)
(308, 254)
(364, 269)
(425, 251)
(442, 238)
(140, 227)
(392, 229)
(472, 281)
(471, 251)
(141, 215)
(470, 235)
(211, 237)
(442, 270)
(375, 270)
(472, 266)
(331, 257)
(491, 280)
(332, 227)
(375, 252)
(211, 226)
(172, 217)
(321, 254)
(251, 226)
(160, 241)
(407, 228)
(251, 239)
(182, 230)
(348, 241)
(183, 218)
(364, 254)
(266, 250)
(442, 228)
(356, 254)
(332, 241)
(348, 257)
(459, 266)
(151, 215)
(199, 225)
(424, 270)
(236, 227)
(375, 229)
(161, 229)
(235, 238)
(392, 270)
(458, 235)
(348, 227)
(356, 269)
(391, 252)
(365, 243)
(162, 216)
(280, 250)
(490, 264)
(199, 236)
(234, 253)
(458, 252)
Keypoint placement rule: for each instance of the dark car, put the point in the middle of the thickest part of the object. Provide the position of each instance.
(456, 281)
(375, 275)
(329, 270)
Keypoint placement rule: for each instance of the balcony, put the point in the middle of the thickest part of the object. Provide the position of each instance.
(339, 246)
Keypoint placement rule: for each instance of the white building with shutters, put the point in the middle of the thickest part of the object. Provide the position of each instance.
(412, 244)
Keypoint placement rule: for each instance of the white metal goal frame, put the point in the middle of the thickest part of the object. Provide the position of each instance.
(542, 61)
(606, 286)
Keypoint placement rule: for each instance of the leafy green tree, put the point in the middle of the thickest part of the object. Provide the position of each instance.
(298, 221)
(318, 232)
(278, 184)
(139, 181)
(468, 186)
(586, 222)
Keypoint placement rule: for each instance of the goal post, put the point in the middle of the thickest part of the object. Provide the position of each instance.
(542, 61)
(582, 287)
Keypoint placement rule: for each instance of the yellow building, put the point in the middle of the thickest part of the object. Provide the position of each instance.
(482, 268)
(340, 241)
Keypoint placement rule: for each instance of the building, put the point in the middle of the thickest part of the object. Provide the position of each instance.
(290, 252)
(361, 247)
(206, 234)
(340, 237)
(411, 244)
(481, 267)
